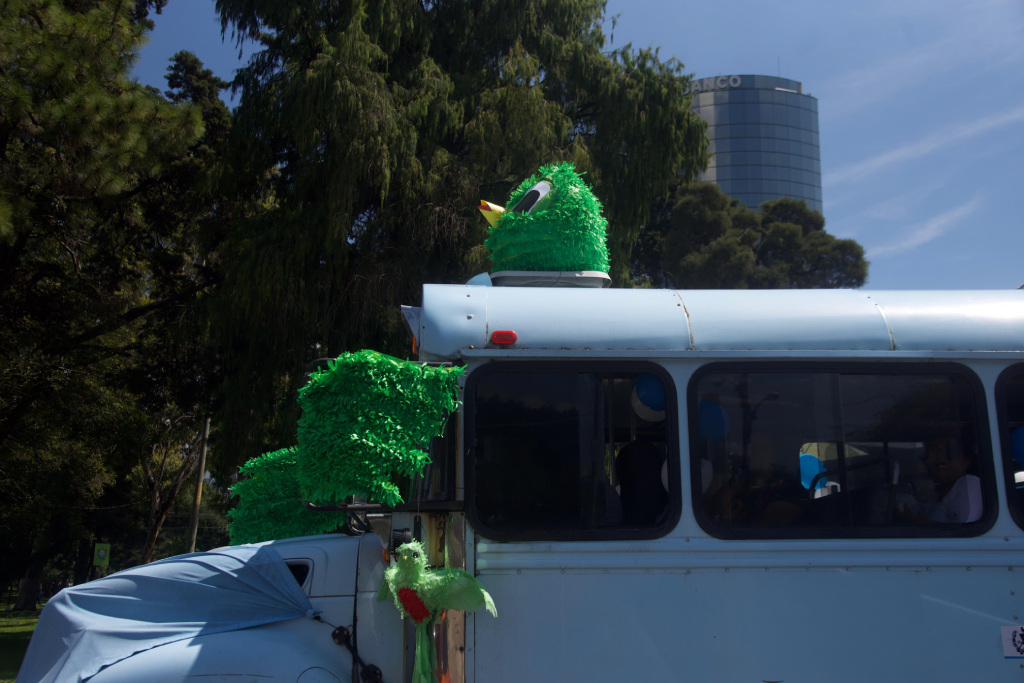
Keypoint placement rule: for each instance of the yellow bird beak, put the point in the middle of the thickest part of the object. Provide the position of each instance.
(492, 212)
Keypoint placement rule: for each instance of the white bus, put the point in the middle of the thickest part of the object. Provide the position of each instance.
(738, 485)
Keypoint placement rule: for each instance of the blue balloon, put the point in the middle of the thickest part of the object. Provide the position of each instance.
(714, 421)
(1017, 445)
(811, 467)
(650, 391)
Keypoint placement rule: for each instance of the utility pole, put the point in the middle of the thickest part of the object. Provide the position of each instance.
(199, 488)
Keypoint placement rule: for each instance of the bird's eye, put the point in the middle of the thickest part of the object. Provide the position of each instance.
(534, 197)
(415, 554)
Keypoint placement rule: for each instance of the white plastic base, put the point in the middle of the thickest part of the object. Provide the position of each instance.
(551, 278)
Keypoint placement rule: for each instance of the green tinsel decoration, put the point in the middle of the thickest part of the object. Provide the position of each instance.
(366, 420)
(270, 505)
(568, 233)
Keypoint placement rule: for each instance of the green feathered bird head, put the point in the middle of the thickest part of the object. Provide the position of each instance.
(554, 223)
(412, 562)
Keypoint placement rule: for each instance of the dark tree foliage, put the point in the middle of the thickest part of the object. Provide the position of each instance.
(142, 9)
(366, 134)
(104, 194)
(699, 238)
(175, 372)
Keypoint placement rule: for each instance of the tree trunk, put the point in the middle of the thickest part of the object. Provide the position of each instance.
(151, 535)
(194, 526)
(28, 591)
(83, 561)
(162, 501)
(28, 587)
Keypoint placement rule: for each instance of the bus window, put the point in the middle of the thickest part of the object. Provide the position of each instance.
(1010, 404)
(817, 451)
(571, 451)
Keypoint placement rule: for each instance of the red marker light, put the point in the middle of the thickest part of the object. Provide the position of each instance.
(503, 337)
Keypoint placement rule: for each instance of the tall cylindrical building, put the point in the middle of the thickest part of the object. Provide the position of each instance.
(764, 137)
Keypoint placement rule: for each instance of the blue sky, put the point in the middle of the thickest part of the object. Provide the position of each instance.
(921, 113)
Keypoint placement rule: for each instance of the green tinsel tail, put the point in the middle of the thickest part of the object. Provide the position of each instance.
(270, 505)
(570, 234)
(425, 661)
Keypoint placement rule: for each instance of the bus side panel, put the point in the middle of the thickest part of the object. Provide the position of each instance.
(820, 624)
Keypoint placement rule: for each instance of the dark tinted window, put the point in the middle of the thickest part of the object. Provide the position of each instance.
(845, 451)
(571, 451)
(299, 570)
(1010, 400)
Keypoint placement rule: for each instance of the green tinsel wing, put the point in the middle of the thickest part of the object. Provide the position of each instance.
(458, 589)
(366, 419)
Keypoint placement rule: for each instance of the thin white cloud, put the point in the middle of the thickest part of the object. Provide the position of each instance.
(915, 150)
(905, 204)
(864, 87)
(881, 211)
(974, 37)
(924, 232)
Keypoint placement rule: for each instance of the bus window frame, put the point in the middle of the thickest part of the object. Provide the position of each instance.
(610, 367)
(986, 460)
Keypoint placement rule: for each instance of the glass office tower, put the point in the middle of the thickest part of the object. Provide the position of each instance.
(764, 137)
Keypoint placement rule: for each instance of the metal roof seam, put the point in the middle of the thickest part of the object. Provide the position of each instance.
(686, 316)
(885, 321)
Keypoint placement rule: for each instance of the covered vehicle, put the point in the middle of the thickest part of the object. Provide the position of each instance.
(277, 611)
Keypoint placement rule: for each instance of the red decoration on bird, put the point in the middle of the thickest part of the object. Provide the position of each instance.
(413, 604)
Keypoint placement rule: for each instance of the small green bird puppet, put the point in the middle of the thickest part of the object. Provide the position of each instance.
(422, 594)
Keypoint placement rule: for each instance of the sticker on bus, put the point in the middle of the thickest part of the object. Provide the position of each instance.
(1013, 642)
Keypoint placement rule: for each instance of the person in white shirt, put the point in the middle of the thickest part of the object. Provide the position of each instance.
(957, 498)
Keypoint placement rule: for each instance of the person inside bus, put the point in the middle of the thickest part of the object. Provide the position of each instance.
(641, 464)
(644, 496)
(957, 496)
(765, 496)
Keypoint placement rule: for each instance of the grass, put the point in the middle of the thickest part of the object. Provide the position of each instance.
(15, 630)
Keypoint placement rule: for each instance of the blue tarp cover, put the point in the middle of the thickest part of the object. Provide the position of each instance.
(93, 625)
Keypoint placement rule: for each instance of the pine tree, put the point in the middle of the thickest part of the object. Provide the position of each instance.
(93, 260)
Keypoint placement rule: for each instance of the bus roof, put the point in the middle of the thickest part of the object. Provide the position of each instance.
(457, 321)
